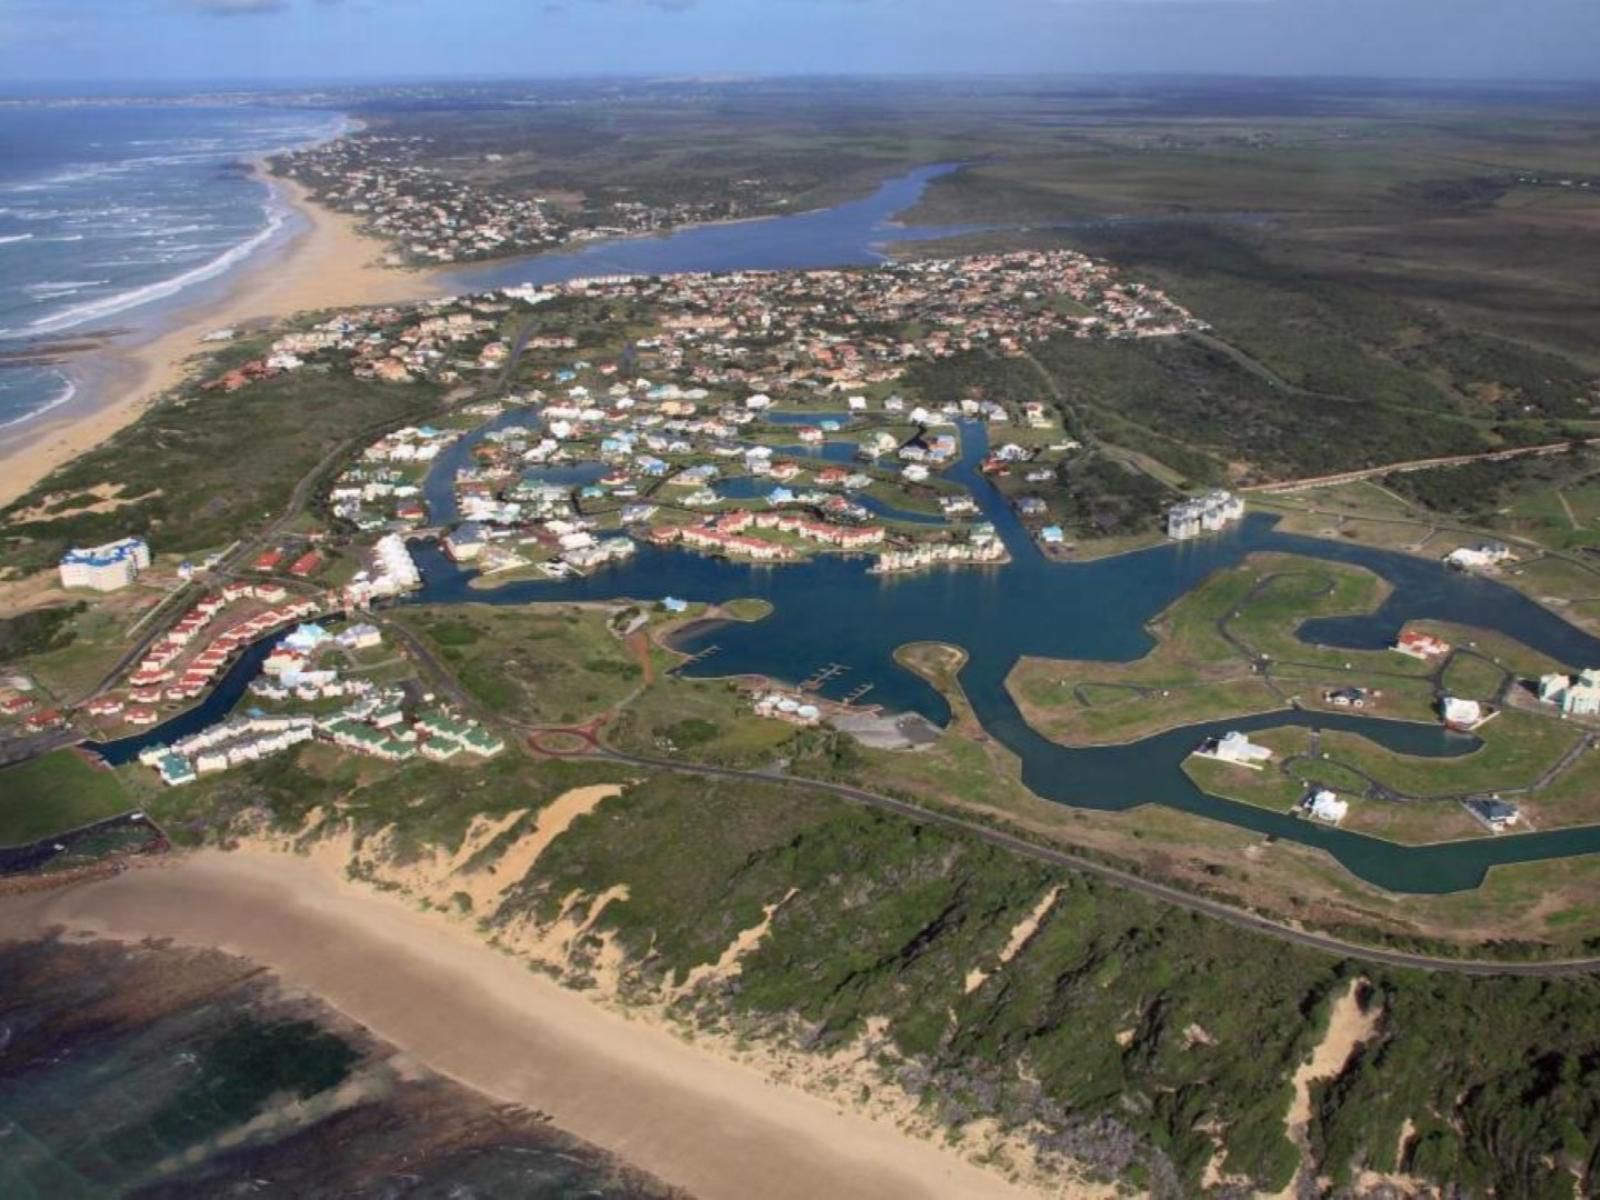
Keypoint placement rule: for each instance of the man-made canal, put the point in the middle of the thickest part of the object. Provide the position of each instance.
(830, 610)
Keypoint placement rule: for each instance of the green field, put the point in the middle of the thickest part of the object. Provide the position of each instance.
(1517, 748)
(55, 793)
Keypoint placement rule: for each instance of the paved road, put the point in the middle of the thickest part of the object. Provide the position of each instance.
(1237, 917)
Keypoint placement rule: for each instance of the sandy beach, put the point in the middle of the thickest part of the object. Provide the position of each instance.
(703, 1123)
(326, 263)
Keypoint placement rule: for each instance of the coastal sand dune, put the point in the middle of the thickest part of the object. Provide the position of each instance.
(705, 1124)
(326, 265)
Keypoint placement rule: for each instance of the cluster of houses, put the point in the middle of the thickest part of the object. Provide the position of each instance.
(371, 720)
(229, 743)
(440, 339)
(726, 534)
(298, 669)
(390, 571)
(431, 217)
(426, 216)
(105, 568)
(378, 728)
(983, 545)
(1236, 749)
(773, 333)
(1209, 513)
(375, 726)
(172, 670)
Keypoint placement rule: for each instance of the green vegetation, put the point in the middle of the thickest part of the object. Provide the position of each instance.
(421, 804)
(550, 664)
(1474, 678)
(1197, 1026)
(38, 630)
(747, 609)
(1517, 749)
(54, 793)
(705, 721)
(207, 467)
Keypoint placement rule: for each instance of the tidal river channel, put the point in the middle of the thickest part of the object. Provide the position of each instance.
(829, 610)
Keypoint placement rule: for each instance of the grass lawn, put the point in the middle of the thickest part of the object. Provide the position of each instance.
(1267, 788)
(1413, 822)
(54, 793)
(1517, 748)
(1572, 797)
(1506, 651)
(1544, 578)
(1120, 715)
(1473, 677)
(747, 609)
(96, 644)
(1292, 590)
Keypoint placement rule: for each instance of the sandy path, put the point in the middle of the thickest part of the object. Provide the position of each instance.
(327, 264)
(703, 1123)
(1348, 1028)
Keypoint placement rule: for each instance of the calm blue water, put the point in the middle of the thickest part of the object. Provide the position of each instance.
(847, 235)
(107, 213)
(830, 610)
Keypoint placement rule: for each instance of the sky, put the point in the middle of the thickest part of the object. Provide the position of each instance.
(106, 42)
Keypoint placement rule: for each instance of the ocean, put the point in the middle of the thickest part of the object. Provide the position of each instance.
(112, 215)
(157, 1072)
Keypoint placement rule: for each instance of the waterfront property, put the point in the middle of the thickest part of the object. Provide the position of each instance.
(1236, 748)
(1576, 696)
(1323, 805)
(1214, 511)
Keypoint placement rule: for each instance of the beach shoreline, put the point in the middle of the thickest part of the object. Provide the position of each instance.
(324, 263)
(693, 1118)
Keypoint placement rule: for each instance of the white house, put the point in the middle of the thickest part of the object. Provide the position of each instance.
(1235, 747)
(1461, 714)
(1578, 697)
(1323, 805)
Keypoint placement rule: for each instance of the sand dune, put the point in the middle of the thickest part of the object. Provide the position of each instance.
(712, 1126)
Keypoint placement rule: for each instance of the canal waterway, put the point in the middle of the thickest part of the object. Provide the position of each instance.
(830, 610)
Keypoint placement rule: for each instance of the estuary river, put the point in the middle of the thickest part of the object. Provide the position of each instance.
(830, 610)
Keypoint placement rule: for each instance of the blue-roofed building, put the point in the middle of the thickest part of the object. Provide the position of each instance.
(105, 568)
